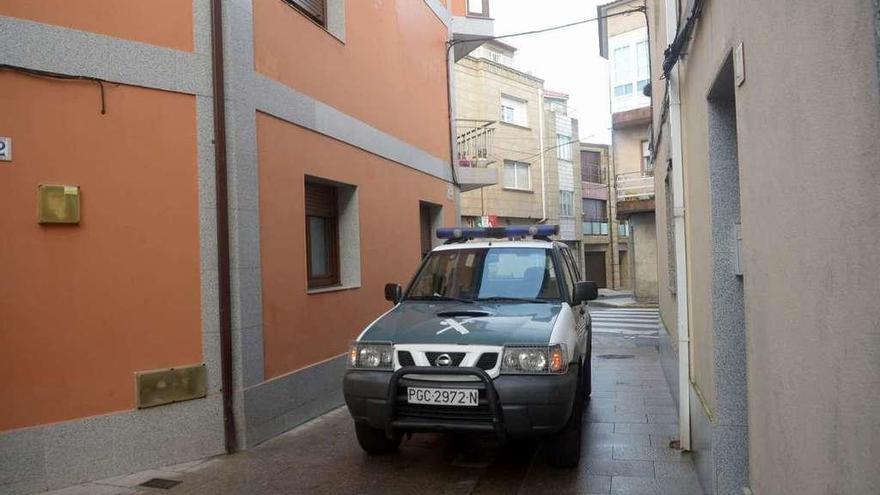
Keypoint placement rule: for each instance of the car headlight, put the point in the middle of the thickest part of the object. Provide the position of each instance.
(535, 359)
(369, 356)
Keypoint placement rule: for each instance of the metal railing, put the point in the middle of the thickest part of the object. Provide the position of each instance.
(596, 175)
(476, 141)
(634, 186)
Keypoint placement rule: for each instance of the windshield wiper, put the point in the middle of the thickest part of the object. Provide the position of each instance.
(514, 299)
(438, 297)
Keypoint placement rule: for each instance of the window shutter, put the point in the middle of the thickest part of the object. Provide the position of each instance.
(320, 200)
(312, 8)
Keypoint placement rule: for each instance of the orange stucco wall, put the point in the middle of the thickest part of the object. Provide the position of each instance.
(167, 23)
(390, 73)
(84, 307)
(458, 7)
(300, 329)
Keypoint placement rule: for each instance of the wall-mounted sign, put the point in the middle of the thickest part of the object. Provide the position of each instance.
(5, 149)
(57, 204)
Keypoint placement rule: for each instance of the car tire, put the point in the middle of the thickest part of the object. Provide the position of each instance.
(374, 441)
(563, 449)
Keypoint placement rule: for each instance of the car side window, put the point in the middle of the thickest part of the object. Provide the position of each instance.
(569, 275)
(575, 271)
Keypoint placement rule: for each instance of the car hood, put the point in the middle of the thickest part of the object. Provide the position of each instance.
(421, 322)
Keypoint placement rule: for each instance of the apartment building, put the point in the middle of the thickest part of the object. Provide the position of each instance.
(220, 204)
(623, 40)
(606, 239)
(765, 151)
(507, 122)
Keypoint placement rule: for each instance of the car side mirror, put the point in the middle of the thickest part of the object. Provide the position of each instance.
(585, 291)
(393, 293)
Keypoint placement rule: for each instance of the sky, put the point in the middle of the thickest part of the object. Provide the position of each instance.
(568, 60)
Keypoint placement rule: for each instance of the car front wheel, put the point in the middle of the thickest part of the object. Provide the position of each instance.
(563, 449)
(374, 441)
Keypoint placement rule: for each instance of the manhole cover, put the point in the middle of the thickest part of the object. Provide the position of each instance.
(615, 356)
(160, 483)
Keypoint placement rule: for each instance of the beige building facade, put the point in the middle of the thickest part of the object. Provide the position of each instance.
(771, 336)
(500, 115)
(623, 40)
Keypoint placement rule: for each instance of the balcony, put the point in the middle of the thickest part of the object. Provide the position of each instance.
(635, 193)
(475, 141)
(635, 186)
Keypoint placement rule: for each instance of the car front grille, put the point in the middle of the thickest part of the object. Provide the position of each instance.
(488, 361)
(405, 358)
(457, 357)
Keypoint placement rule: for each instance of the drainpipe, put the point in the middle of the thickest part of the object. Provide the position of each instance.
(678, 211)
(220, 170)
(541, 143)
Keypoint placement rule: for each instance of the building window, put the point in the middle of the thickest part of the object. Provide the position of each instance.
(643, 70)
(631, 70)
(513, 111)
(478, 7)
(315, 10)
(563, 147)
(622, 71)
(566, 204)
(595, 209)
(591, 167)
(322, 235)
(647, 166)
(516, 176)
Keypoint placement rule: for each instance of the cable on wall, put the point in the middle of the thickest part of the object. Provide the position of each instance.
(62, 77)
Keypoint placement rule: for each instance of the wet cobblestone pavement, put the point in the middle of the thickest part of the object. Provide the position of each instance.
(629, 423)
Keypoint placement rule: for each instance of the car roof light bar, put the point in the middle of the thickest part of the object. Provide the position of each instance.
(511, 231)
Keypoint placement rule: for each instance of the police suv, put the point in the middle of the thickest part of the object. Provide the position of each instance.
(491, 335)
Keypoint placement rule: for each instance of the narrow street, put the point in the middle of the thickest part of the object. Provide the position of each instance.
(628, 426)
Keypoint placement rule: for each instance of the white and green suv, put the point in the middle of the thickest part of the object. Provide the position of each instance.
(492, 335)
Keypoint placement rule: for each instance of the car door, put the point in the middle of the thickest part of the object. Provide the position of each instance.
(581, 316)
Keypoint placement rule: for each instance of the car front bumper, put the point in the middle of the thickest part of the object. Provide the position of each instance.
(510, 405)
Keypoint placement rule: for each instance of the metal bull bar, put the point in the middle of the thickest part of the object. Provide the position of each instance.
(491, 394)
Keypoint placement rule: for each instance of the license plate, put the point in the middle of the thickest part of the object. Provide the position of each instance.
(466, 397)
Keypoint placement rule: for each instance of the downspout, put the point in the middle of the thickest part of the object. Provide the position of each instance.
(220, 172)
(453, 140)
(541, 143)
(678, 211)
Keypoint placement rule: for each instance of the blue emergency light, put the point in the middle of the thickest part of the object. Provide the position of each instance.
(511, 231)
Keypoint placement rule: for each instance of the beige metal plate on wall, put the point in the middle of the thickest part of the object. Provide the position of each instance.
(57, 204)
(165, 386)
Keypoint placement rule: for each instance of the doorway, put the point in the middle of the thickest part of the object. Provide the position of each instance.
(594, 268)
(430, 216)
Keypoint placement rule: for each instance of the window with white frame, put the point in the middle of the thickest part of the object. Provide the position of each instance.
(630, 68)
(516, 176)
(563, 147)
(622, 71)
(513, 111)
(646, 157)
(566, 203)
(478, 7)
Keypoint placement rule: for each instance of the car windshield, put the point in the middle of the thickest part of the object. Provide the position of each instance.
(497, 273)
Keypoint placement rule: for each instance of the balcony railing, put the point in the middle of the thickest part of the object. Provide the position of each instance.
(595, 227)
(476, 141)
(634, 186)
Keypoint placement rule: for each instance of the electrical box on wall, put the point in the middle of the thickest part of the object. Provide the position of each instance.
(57, 204)
(164, 386)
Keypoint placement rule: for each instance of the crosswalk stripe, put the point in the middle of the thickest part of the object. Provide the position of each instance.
(625, 318)
(624, 325)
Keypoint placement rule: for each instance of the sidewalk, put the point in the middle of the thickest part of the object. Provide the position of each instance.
(609, 298)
